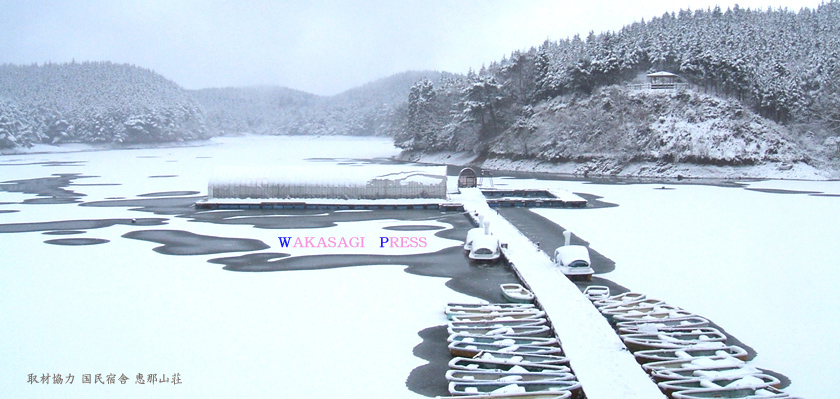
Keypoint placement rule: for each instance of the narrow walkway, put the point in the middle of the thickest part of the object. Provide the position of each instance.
(598, 357)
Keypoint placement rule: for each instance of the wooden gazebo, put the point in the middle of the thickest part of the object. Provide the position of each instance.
(665, 81)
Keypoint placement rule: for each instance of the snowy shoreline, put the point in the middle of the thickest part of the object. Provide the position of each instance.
(643, 170)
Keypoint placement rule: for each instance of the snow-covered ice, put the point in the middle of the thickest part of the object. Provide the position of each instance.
(121, 308)
(760, 264)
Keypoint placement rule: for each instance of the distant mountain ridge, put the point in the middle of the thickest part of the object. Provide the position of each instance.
(367, 110)
(104, 102)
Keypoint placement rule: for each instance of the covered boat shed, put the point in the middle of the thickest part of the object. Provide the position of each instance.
(467, 178)
(298, 182)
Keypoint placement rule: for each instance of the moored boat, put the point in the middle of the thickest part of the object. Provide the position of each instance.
(641, 308)
(520, 395)
(463, 363)
(637, 304)
(573, 260)
(619, 298)
(597, 292)
(755, 381)
(732, 393)
(498, 322)
(516, 293)
(706, 372)
(472, 234)
(496, 316)
(495, 312)
(504, 330)
(483, 388)
(497, 306)
(485, 248)
(656, 314)
(672, 339)
(504, 340)
(696, 363)
(505, 376)
(652, 326)
(659, 355)
(517, 357)
(471, 349)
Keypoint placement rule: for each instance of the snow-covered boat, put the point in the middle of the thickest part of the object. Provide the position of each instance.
(516, 293)
(644, 303)
(492, 306)
(516, 357)
(505, 376)
(659, 355)
(673, 339)
(484, 388)
(452, 311)
(619, 298)
(696, 363)
(732, 393)
(471, 349)
(643, 307)
(707, 372)
(503, 340)
(755, 381)
(509, 315)
(464, 363)
(573, 260)
(501, 322)
(648, 326)
(472, 234)
(485, 249)
(597, 292)
(653, 316)
(520, 395)
(504, 330)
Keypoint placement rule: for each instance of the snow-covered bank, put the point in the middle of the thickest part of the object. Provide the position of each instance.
(770, 170)
(794, 171)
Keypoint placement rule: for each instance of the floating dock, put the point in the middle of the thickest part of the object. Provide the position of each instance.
(531, 198)
(599, 359)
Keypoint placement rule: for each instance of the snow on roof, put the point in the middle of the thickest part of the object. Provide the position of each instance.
(662, 74)
(314, 174)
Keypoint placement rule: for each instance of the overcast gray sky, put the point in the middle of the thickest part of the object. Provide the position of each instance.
(322, 47)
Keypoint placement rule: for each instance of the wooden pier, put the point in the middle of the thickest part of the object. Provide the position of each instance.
(325, 205)
(599, 359)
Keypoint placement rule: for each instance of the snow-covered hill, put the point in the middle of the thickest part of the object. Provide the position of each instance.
(93, 102)
(646, 133)
(771, 93)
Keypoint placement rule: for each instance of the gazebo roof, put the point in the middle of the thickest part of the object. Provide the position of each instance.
(662, 74)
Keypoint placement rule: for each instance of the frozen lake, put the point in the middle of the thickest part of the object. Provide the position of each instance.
(124, 283)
